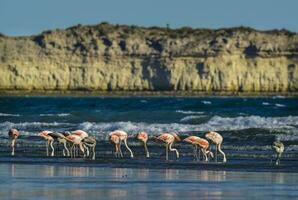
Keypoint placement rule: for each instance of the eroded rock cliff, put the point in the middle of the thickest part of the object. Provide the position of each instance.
(127, 58)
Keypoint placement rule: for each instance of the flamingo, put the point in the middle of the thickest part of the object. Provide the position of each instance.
(202, 144)
(143, 137)
(89, 142)
(61, 139)
(50, 137)
(216, 139)
(117, 137)
(13, 134)
(278, 148)
(49, 141)
(82, 134)
(76, 140)
(169, 139)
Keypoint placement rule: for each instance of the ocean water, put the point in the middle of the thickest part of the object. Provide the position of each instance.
(249, 125)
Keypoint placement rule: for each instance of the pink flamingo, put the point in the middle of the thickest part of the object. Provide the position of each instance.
(216, 139)
(13, 134)
(169, 139)
(202, 144)
(80, 133)
(49, 141)
(50, 137)
(143, 137)
(76, 140)
(117, 137)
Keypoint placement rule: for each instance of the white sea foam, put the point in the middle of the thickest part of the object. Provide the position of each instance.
(9, 115)
(216, 123)
(278, 97)
(284, 125)
(206, 102)
(59, 115)
(265, 104)
(5, 126)
(189, 112)
(191, 118)
(280, 105)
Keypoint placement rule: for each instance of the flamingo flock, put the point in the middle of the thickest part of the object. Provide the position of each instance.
(80, 140)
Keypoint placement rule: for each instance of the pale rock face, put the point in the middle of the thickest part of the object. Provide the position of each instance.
(123, 58)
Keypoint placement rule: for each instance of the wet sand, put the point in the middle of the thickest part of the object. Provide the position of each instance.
(55, 181)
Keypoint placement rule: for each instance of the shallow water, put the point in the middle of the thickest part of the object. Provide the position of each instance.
(66, 182)
(249, 124)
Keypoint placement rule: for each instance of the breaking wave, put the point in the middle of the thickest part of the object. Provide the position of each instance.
(206, 102)
(189, 112)
(191, 118)
(59, 115)
(31, 126)
(280, 105)
(9, 115)
(216, 123)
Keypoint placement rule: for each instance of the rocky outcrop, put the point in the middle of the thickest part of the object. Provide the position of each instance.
(127, 58)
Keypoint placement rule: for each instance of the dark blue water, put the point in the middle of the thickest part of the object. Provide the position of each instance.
(247, 123)
(249, 126)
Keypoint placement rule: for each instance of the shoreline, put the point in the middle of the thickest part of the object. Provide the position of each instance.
(236, 165)
(80, 93)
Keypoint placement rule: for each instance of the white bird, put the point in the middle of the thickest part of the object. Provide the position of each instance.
(278, 148)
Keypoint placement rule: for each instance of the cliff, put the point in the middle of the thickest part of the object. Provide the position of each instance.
(108, 57)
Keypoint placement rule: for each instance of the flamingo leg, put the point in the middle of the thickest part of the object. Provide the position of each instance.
(119, 150)
(13, 146)
(66, 149)
(85, 146)
(224, 155)
(51, 145)
(76, 151)
(125, 143)
(167, 154)
(278, 156)
(93, 149)
(146, 149)
(72, 154)
(116, 150)
(216, 153)
(172, 149)
(195, 155)
(82, 148)
(47, 147)
(87, 149)
(205, 155)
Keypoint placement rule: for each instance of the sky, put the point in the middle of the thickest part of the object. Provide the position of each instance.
(28, 17)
